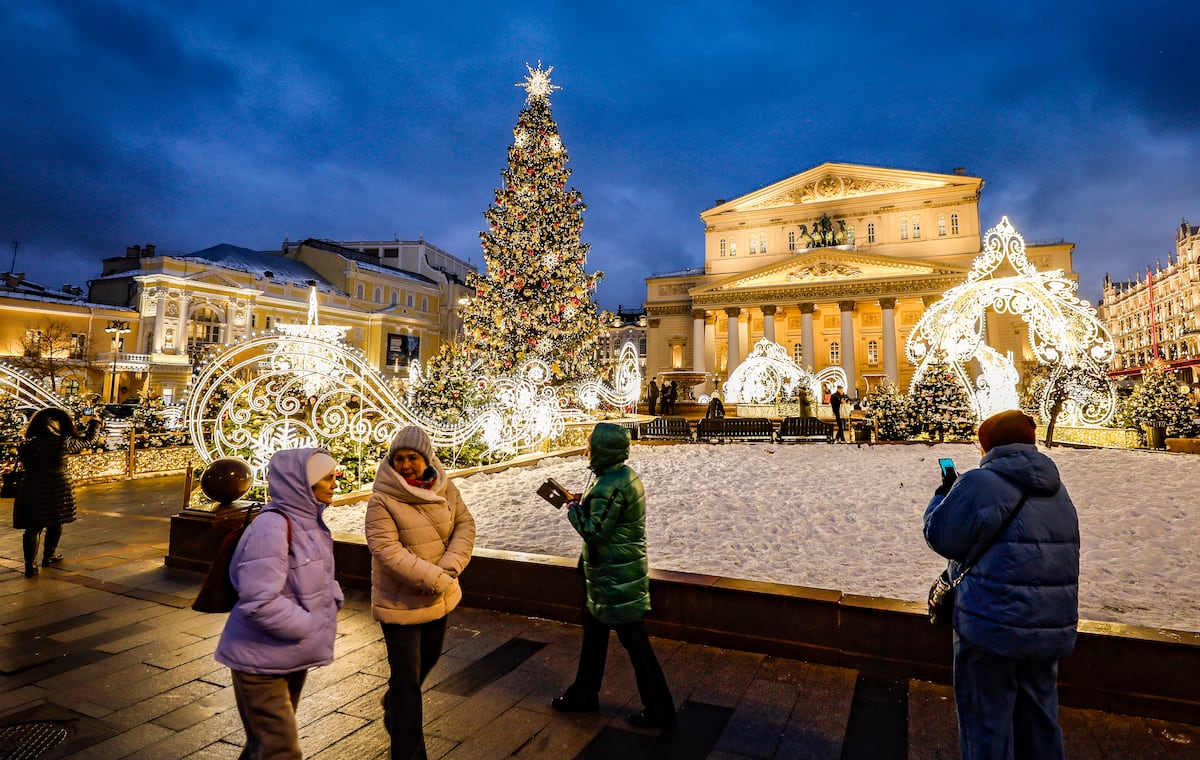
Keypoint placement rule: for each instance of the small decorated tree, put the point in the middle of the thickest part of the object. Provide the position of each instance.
(1160, 400)
(450, 388)
(888, 406)
(939, 406)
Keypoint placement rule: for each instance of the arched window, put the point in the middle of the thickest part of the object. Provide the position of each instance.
(904, 229)
(70, 387)
(424, 303)
(791, 241)
(798, 353)
(408, 300)
(941, 225)
(870, 232)
(850, 234)
(916, 227)
(358, 292)
(954, 224)
(204, 327)
(722, 247)
(378, 295)
(733, 248)
(872, 352)
(835, 353)
(753, 245)
(762, 243)
(395, 296)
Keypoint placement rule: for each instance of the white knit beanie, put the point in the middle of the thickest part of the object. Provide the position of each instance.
(319, 465)
(413, 438)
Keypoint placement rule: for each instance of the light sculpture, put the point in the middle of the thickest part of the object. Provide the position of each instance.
(626, 388)
(28, 391)
(769, 374)
(1063, 332)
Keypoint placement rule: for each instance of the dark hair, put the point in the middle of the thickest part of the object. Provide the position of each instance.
(40, 424)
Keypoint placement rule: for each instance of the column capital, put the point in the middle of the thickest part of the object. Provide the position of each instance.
(733, 312)
(699, 314)
(807, 307)
(887, 303)
(769, 310)
(846, 305)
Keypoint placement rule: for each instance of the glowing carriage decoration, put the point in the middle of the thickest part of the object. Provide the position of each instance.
(1064, 334)
(302, 386)
(769, 374)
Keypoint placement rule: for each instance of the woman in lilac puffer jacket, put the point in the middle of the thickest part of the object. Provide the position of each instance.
(285, 619)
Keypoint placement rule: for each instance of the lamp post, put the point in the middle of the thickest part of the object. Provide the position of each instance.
(116, 328)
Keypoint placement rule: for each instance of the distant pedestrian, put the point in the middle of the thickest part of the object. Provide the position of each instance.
(285, 619)
(1016, 611)
(836, 401)
(420, 535)
(46, 500)
(611, 519)
(670, 396)
(652, 396)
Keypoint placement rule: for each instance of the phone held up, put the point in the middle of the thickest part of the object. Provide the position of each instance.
(553, 492)
(947, 466)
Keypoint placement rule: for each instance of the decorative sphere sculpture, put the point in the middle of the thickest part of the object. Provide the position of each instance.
(226, 480)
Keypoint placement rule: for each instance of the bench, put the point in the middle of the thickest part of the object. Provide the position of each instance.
(735, 429)
(801, 429)
(665, 428)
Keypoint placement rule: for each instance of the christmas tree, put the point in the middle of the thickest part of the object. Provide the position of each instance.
(888, 406)
(939, 406)
(448, 390)
(1159, 400)
(534, 299)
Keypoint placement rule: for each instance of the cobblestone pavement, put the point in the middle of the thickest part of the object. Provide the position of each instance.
(100, 657)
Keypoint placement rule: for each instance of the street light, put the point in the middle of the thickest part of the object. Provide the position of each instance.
(116, 328)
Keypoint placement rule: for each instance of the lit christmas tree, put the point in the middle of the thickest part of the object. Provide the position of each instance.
(939, 407)
(1159, 400)
(889, 407)
(448, 390)
(535, 300)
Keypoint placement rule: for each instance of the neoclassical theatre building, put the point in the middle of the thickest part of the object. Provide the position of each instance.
(837, 264)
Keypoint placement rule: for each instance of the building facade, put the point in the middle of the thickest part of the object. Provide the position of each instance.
(837, 264)
(1155, 317)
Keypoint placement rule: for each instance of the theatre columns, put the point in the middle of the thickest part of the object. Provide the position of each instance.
(848, 361)
(698, 318)
(734, 353)
(769, 322)
(808, 344)
(891, 362)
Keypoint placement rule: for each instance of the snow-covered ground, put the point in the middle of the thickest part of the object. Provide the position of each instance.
(849, 519)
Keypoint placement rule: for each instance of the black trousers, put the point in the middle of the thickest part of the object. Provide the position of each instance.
(412, 651)
(29, 543)
(651, 683)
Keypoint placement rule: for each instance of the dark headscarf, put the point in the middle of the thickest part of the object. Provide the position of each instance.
(52, 421)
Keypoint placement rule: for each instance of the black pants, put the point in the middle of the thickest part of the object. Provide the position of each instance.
(29, 543)
(651, 683)
(412, 651)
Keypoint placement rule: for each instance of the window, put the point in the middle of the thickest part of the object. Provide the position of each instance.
(798, 353)
(762, 243)
(871, 232)
(916, 227)
(78, 346)
(408, 300)
(753, 245)
(872, 352)
(267, 321)
(722, 247)
(791, 241)
(204, 327)
(904, 229)
(70, 387)
(941, 225)
(954, 224)
(358, 292)
(33, 343)
(850, 234)
(395, 296)
(424, 303)
(733, 248)
(378, 295)
(835, 353)
(253, 321)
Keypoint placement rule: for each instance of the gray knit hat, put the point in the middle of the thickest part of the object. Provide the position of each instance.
(413, 438)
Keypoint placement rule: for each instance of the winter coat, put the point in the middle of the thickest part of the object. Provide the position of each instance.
(1021, 600)
(611, 519)
(285, 619)
(46, 497)
(420, 539)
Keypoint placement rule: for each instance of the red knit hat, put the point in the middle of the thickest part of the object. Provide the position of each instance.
(1013, 426)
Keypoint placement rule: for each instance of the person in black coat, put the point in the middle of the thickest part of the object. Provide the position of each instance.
(46, 500)
(652, 397)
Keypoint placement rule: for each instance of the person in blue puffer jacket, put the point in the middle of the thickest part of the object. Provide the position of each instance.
(1016, 611)
(285, 619)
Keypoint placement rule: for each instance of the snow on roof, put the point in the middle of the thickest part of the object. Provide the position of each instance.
(259, 263)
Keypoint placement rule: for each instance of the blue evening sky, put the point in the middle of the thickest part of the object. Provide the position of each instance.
(185, 123)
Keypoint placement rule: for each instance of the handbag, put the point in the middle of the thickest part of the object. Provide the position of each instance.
(12, 484)
(942, 592)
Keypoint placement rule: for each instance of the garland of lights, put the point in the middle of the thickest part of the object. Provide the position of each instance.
(1063, 332)
(769, 373)
(627, 383)
(29, 392)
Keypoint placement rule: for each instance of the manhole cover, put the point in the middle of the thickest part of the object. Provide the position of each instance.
(28, 741)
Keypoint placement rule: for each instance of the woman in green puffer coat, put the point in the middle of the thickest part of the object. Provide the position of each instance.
(611, 519)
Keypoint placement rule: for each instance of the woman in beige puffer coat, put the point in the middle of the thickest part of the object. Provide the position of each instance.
(421, 535)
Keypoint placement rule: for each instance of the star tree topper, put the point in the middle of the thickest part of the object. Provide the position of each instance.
(537, 84)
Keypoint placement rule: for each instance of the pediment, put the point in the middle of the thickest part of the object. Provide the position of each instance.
(824, 265)
(833, 182)
(213, 277)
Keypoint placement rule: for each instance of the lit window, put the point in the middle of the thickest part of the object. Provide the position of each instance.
(872, 352)
(733, 248)
(753, 245)
(850, 234)
(70, 387)
(870, 232)
(941, 225)
(835, 353)
(904, 229)
(722, 247)
(916, 227)
(791, 241)
(798, 353)
(954, 224)
(762, 244)
(78, 346)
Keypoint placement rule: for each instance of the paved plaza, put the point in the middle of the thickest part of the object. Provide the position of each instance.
(101, 657)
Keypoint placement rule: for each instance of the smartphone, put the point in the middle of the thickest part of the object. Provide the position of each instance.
(947, 465)
(89, 411)
(553, 492)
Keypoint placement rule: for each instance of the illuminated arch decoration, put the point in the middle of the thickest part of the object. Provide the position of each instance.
(28, 391)
(769, 373)
(1063, 332)
(297, 389)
